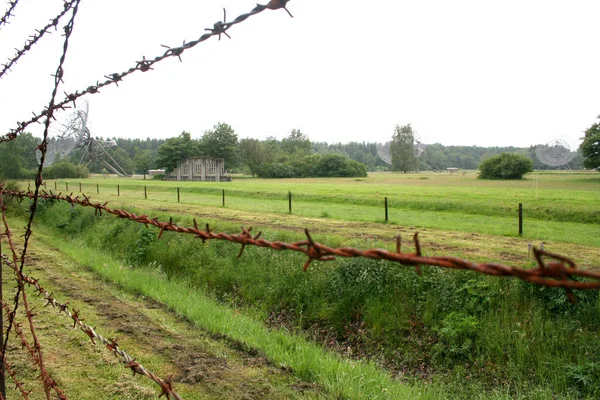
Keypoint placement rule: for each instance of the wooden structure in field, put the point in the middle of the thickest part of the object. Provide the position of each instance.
(200, 169)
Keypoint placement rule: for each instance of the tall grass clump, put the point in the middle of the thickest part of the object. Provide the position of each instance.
(467, 331)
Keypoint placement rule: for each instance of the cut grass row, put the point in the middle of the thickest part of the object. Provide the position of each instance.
(553, 203)
(496, 224)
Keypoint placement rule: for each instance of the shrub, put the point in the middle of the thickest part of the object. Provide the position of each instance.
(65, 169)
(506, 166)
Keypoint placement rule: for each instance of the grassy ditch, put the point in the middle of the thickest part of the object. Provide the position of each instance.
(469, 335)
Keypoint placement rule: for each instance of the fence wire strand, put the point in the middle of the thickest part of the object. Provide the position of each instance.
(144, 65)
(111, 344)
(33, 39)
(11, 6)
(553, 270)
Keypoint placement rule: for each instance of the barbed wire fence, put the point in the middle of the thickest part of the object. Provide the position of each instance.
(552, 269)
(18, 260)
(11, 6)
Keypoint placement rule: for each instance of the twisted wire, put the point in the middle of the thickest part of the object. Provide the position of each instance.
(47, 381)
(8, 13)
(559, 271)
(112, 345)
(33, 39)
(144, 65)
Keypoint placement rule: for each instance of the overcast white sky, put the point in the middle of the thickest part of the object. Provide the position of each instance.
(462, 72)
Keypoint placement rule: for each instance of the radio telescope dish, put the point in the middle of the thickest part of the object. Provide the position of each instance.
(383, 151)
(418, 146)
(74, 135)
(555, 153)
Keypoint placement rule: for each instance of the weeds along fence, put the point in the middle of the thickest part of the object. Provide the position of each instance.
(218, 196)
(552, 270)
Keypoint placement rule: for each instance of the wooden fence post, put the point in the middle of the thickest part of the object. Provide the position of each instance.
(223, 197)
(145, 193)
(520, 219)
(386, 209)
(178, 195)
(290, 201)
(97, 189)
(118, 190)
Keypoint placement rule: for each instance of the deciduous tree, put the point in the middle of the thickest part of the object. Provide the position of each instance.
(402, 149)
(221, 142)
(252, 154)
(590, 148)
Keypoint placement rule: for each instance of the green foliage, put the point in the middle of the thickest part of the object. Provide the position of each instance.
(315, 165)
(456, 334)
(221, 142)
(177, 149)
(506, 166)
(590, 147)
(143, 161)
(402, 149)
(17, 157)
(252, 154)
(65, 169)
(296, 142)
(441, 320)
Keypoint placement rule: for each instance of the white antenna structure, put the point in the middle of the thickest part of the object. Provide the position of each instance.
(74, 135)
(555, 153)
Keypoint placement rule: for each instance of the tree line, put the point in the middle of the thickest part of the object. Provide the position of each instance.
(293, 156)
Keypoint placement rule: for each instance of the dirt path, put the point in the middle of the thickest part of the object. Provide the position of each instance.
(202, 366)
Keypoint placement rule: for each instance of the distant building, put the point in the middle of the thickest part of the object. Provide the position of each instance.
(200, 169)
(452, 169)
(153, 172)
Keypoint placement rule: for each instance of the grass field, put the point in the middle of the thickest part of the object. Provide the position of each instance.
(560, 206)
(446, 334)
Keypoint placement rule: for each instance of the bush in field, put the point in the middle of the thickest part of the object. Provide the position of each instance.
(65, 169)
(316, 165)
(506, 166)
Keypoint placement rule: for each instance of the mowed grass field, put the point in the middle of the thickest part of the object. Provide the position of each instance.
(444, 334)
(558, 206)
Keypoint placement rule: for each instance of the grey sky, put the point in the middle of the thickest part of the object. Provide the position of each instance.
(476, 72)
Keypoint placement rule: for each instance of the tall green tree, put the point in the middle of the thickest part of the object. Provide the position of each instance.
(296, 142)
(590, 148)
(177, 149)
(221, 142)
(402, 149)
(142, 161)
(11, 166)
(252, 153)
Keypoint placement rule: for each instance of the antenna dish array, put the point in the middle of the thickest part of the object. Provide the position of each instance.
(74, 135)
(555, 153)
(383, 150)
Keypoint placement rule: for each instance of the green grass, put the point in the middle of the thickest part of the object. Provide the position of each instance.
(341, 378)
(476, 336)
(558, 207)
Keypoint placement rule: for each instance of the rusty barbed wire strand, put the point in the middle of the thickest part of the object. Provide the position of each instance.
(46, 380)
(111, 344)
(145, 65)
(18, 384)
(25, 343)
(33, 39)
(35, 351)
(558, 272)
(8, 13)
